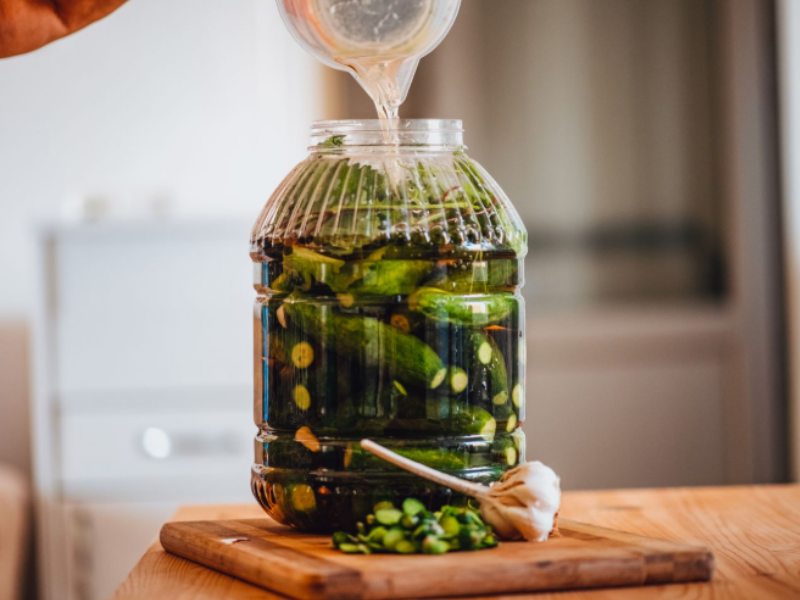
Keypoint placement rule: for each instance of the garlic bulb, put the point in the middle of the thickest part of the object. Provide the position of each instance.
(523, 504)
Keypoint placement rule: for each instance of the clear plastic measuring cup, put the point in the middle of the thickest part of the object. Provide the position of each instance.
(380, 42)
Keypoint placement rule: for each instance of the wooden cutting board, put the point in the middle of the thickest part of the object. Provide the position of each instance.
(306, 567)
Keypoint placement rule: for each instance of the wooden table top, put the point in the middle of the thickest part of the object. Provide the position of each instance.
(754, 533)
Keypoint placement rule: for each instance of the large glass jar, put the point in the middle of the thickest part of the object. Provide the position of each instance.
(388, 272)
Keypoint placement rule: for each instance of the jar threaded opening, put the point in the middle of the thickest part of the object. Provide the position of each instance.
(444, 134)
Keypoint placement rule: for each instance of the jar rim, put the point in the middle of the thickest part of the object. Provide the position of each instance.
(343, 126)
(422, 134)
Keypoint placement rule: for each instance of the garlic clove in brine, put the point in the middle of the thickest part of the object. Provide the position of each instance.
(524, 503)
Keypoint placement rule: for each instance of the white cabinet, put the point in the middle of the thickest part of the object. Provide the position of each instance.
(104, 541)
(630, 399)
(143, 396)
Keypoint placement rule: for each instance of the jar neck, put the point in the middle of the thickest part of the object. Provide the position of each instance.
(436, 135)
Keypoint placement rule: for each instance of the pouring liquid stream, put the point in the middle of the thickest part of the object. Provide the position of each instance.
(379, 42)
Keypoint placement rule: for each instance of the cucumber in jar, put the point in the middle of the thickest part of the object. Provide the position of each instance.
(458, 308)
(372, 341)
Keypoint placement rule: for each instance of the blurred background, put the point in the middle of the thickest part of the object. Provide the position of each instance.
(649, 146)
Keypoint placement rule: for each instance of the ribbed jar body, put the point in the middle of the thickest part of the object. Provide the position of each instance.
(388, 273)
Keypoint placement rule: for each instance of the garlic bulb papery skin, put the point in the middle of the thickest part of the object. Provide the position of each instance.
(524, 503)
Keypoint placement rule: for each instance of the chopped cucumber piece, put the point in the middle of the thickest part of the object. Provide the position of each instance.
(438, 378)
(517, 395)
(302, 398)
(405, 547)
(511, 424)
(433, 545)
(500, 398)
(393, 537)
(388, 516)
(340, 537)
(302, 355)
(412, 506)
(450, 525)
(458, 379)
(511, 456)
(485, 352)
(376, 535)
(452, 528)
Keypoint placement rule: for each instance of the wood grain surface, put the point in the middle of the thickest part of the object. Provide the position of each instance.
(306, 567)
(754, 533)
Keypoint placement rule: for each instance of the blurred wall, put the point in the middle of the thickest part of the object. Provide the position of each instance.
(200, 103)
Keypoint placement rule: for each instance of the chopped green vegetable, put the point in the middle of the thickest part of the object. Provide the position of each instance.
(388, 516)
(412, 506)
(392, 538)
(418, 530)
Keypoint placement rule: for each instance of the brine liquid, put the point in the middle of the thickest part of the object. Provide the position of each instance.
(379, 41)
(424, 355)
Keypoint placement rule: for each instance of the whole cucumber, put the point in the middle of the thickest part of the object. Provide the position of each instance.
(364, 338)
(309, 267)
(436, 458)
(466, 310)
(391, 277)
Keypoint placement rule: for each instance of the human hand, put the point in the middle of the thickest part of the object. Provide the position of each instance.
(26, 25)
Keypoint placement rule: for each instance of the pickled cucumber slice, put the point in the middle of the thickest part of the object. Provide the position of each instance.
(302, 397)
(302, 355)
(484, 349)
(458, 379)
(490, 359)
(517, 395)
(511, 424)
(511, 456)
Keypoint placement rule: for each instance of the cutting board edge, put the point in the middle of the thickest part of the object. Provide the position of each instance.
(303, 584)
